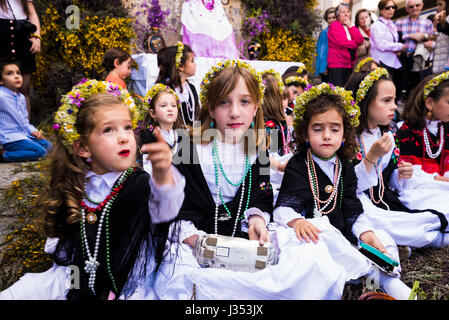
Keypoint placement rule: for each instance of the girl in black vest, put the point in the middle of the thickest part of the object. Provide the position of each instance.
(318, 197)
(106, 219)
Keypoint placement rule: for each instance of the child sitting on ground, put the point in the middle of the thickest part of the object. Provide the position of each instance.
(21, 140)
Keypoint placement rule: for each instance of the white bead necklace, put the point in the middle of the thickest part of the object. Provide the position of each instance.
(427, 143)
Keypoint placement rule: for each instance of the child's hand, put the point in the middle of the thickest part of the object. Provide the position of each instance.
(258, 230)
(37, 134)
(159, 154)
(440, 178)
(369, 237)
(405, 170)
(380, 147)
(305, 230)
(191, 241)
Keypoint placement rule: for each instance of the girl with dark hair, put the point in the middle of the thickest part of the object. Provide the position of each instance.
(318, 197)
(176, 65)
(424, 142)
(380, 175)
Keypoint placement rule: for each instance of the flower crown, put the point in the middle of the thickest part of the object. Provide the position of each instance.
(435, 82)
(362, 63)
(205, 83)
(157, 88)
(296, 79)
(178, 57)
(312, 93)
(368, 82)
(301, 68)
(277, 76)
(65, 117)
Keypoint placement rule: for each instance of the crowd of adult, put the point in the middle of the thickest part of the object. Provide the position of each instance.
(409, 48)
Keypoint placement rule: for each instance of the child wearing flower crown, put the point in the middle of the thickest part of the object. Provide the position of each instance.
(160, 111)
(318, 198)
(295, 85)
(424, 142)
(176, 65)
(276, 126)
(118, 64)
(228, 193)
(106, 218)
(378, 170)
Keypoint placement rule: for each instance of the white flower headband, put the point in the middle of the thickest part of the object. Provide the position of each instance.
(296, 79)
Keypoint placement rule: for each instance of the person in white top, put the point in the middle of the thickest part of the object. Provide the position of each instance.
(228, 193)
(379, 172)
(104, 215)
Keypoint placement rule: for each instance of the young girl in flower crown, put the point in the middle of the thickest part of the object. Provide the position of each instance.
(161, 105)
(424, 142)
(378, 170)
(174, 70)
(106, 219)
(295, 85)
(318, 198)
(276, 126)
(228, 193)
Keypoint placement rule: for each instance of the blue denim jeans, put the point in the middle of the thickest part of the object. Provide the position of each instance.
(26, 150)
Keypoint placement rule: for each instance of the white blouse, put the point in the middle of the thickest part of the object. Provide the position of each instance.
(232, 158)
(283, 215)
(163, 206)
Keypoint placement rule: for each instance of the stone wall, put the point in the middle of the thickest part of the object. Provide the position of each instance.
(233, 8)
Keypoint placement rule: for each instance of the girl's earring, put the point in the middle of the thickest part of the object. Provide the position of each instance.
(429, 114)
(88, 160)
(212, 123)
(343, 143)
(307, 144)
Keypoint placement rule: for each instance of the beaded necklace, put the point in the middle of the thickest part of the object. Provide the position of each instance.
(91, 264)
(318, 211)
(285, 139)
(380, 177)
(427, 143)
(246, 172)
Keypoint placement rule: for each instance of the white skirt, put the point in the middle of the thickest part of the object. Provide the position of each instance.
(305, 271)
(417, 230)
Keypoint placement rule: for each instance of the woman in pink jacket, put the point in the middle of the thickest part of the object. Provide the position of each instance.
(344, 39)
